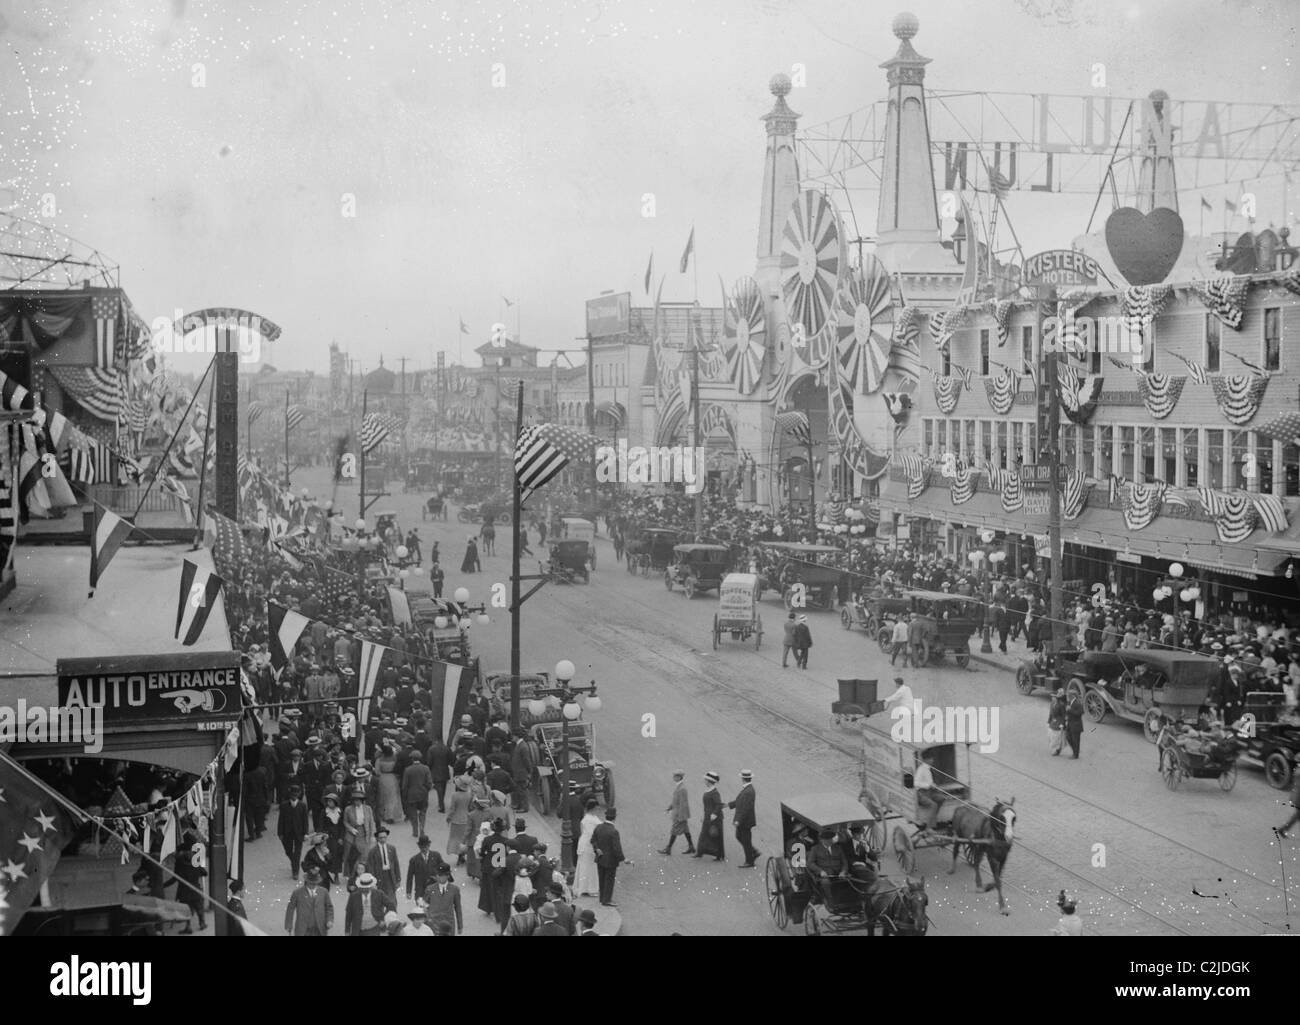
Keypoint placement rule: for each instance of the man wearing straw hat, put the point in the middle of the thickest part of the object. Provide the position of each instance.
(366, 909)
(745, 819)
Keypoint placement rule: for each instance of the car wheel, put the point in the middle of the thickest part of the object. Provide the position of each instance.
(1024, 680)
(1152, 724)
(1277, 770)
(1094, 706)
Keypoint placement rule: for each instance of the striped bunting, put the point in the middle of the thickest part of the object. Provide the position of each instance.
(104, 309)
(1001, 310)
(907, 326)
(905, 356)
(947, 390)
(543, 450)
(1225, 297)
(917, 484)
(796, 425)
(1141, 304)
(295, 415)
(372, 657)
(1142, 504)
(199, 590)
(1239, 395)
(913, 466)
(1160, 393)
(1013, 495)
(1272, 513)
(1079, 392)
(962, 488)
(1001, 391)
(255, 412)
(1234, 517)
(942, 324)
(1075, 495)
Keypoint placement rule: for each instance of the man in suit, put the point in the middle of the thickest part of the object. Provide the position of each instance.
(609, 855)
(745, 820)
(439, 766)
(367, 906)
(523, 763)
(382, 863)
(565, 913)
(293, 827)
(417, 781)
(235, 905)
(310, 911)
(550, 925)
(442, 902)
(422, 869)
(358, 830)
(587, 923)
(522, 842)
(680, 810)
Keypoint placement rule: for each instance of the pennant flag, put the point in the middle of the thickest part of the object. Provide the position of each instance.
(372, 657)
(284, 627)
(1075, 495)
(450, 695)
(463, 329)
(796, 425)
(108, 533)
(649, 272)
(200, 588)
(1272, 513)
(234, 833)
(34, 829)
(543, 450)
(999, 184)
(104, 309)
(293, 416)
(169, 837)
(255, 411)
(1199, 372)
(686, 255)
(1205, 204)
(1239, 395)
(400, 606)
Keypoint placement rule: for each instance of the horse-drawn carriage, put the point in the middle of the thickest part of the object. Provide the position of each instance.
(492, 511)
(792, 568)
(889, 769)
(858, 699)
(697, 568)
(946, 625)
(419, 477)
(435, 507)
(738, 609)
(1188, 752)
(569, 561)
(592, 776)
(858, 898)
(876, 615)
(650, 549)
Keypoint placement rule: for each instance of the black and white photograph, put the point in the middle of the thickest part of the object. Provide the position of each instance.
(755, 468)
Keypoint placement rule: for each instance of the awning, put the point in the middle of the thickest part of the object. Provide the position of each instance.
(98, 392)
(614, 410)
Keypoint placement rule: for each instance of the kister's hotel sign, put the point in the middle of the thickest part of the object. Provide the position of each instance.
(1059, 267)
(186, 689)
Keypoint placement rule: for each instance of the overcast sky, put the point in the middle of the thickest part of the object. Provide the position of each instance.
(232, 193)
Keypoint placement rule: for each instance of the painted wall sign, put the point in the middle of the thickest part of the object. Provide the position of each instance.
(1062, 267)
(609, 315)
(190, 689)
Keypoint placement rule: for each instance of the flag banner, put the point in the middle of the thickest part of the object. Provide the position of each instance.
(1234, 517)
(13, 396)
(234, 831)
(947, 390)
(905, 357)
(916, 485)
(1142, 504)
(1079, 392)
(255, 411)
(42, 487)
(1285, 427)
(649, 272)
(230, 550)
(1141, 304)
(104, 309)
(1225, 297)
(200, 588)
(942, 325)
(1001, 391)
(1013, 495)
(543, 450)
(1198, 371)
(375, 430)
(80, 464)
(1160, 393)
(107, 534)
(400, 606)
(451, 687)
(1272, 513)
(796, 425)
(962, 488)
(686, 254)
(967, 377)
(907, 325)
(34, 829)
(293, 416)
(913, 466)
(1001, 310)
(1239, 395)
(284, 628)
(1074, 496)
(372, 657)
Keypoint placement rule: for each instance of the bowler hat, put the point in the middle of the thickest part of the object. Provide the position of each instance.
(548, 912)
(587, 917)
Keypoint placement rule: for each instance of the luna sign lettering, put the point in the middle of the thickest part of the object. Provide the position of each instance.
(186, 689)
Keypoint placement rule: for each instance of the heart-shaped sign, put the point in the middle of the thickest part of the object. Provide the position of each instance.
(1145, 247)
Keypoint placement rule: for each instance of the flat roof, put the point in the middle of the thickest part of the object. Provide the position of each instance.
(824, 810)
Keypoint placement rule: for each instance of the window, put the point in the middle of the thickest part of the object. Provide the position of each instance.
(1212, 326)
(985, 437)
(968, 450)
(1291, 470)
(1088, 451)
(1032, 441)
(1237, 476)
(941, 439)
(1148, 336)
(927, 443)
(1213, 459)
(1126, 452)
(1148, 457)
(945, 362)
(984, 352)
(1191, 457)
(1166, 455)
(1272, 338)
(1000, 456)
(1264, 465)
(1027, 348)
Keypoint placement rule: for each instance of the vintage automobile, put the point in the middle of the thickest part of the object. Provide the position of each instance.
(738, 610)
(444, 621)
(577, 762)
(650, 549)
(497, 511)
(948, 621)
(568, 562)
(876, 615)
(573, 528)
(785, 566)
(1146, 685)
(697, 568)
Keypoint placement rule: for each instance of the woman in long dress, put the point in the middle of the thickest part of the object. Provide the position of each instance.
(458, 821)
(390, 791)
(710, 841)
(587, 883)
(470, 564)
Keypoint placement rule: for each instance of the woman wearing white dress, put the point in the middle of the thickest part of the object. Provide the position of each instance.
(586, 882)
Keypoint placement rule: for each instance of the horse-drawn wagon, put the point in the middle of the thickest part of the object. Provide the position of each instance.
(940, 815)
(738, 609)
(697, 568)
(578, 762)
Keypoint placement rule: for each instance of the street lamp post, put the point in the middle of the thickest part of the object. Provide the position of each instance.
(570, 711)
(1186, 593)
(986, 555)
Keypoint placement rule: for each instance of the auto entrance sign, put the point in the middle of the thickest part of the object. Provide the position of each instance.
(195, 689)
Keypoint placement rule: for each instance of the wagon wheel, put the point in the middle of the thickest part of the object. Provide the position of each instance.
(1075, 688)
(1171, 768)
(812, 925)
(777, 883)
(963, 657)
(1024, 680)
(544, 794)
(786, 596)
(717, 632)
(1277, 770)
(668, 579)
(885, 639)
(1228, 778)
(689, 587)
(846, 620)
(758, 634)
(1094, 706)
(1152, 724)
(904, 850)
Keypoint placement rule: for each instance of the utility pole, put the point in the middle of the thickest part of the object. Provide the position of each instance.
(812, 469)
(1048, 362)
(361, 487)
(695, 340)
(591, 415)
(405, 454)
(496, 426)
(287, 482)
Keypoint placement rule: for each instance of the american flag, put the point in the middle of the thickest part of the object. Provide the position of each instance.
(104, 309)
(1272, 513)
(12, 394)
(230, 551)
(339, 588)
(796, 425)
(34, 829)
(1285, 427)
(255, 411)
(375, 430)
(293, 416)
(543, 450)
(1198, 371)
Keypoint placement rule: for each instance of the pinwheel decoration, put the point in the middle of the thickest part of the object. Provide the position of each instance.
(864, 328)
(744, 341)
(813, 261)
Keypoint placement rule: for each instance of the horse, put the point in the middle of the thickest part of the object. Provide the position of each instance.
(996, 829)
(899, 910)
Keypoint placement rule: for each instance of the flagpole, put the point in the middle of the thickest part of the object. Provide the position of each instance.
(203, 471)
(361, 488)
(515, 602)
(248, 408)
(179, 424)
(287, 482)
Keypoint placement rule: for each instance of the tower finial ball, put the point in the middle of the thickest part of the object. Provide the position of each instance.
(780, 84)
(906, 25)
